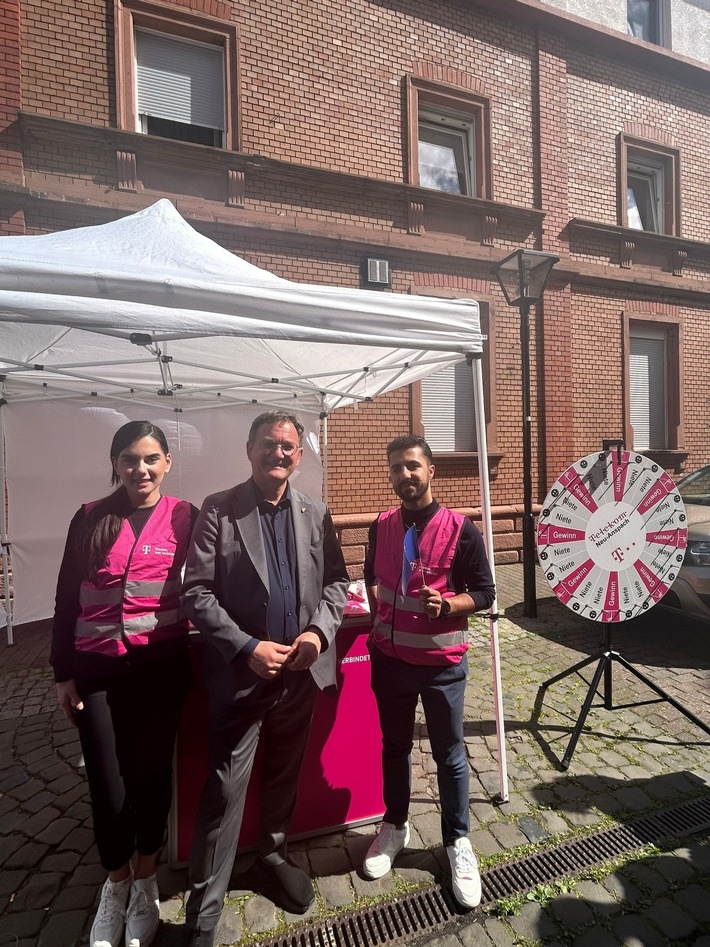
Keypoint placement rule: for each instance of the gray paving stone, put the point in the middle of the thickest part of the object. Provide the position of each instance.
(364, 888)
(26, 856)
(23, 924)
(475, 935)
(635, 931)
(622, 888)
(672, 920)
(63, 928)
(329, 861)
(78, 840)
(695, 900)
(74, 898)
(428, 827)
(532, 829)
(335, 891)
(596, 896)
(231, 926)
(571, 912)
(597, 937)
(56, 831)
(509, 836)
(646, 877)
(38, 802)
(673, 868)
(533, 922)
(484, 843)
(12, 821)
(38, 891)
(259, 915)
(32, 826)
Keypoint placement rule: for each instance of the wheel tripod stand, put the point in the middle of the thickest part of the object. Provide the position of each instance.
(604, 669)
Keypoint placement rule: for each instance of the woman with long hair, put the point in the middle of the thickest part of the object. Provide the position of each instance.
(122, 670)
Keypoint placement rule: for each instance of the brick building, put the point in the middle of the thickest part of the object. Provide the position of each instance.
(311, 137)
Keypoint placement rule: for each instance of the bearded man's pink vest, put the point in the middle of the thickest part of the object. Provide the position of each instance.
(402, 629)
(136, 595)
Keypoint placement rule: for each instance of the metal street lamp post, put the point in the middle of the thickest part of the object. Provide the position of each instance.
(522, 277)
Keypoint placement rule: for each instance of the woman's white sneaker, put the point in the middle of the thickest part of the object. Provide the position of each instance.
(465, 876)
(389, 843)
(143, 914)
(110, 920)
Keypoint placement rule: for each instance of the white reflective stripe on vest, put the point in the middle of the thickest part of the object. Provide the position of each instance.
(137, 589)
(409, 639)
(143, 623)
(88, 595)
(407, 603)
(90, 629)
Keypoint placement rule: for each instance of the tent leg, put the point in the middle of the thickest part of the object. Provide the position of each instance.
(3, 530)
(482, 449)
(324, 419)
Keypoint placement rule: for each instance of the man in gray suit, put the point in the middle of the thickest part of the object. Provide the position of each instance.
(265, 584)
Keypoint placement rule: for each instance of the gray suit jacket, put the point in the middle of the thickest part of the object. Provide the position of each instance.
(226, 587)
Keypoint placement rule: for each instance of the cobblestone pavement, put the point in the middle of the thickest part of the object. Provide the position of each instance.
(629, 760)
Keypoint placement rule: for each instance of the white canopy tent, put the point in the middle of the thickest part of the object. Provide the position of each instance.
(145, 317)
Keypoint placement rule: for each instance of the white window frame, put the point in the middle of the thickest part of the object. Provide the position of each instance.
(455, 134)
(645, 195)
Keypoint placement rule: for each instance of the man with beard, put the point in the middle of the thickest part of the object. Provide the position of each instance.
(421, 593)
(266, 585)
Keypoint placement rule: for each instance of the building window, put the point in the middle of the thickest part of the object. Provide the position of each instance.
(443, 405)
(653, 385)
(650, 187)
(649, 20)
(176, 74)
(448, 416)
(643, 19)
(179, 88)
(448, 139)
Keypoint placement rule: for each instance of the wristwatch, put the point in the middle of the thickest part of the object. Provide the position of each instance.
(445, 610)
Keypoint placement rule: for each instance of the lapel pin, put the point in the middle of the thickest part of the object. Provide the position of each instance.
(303, 509)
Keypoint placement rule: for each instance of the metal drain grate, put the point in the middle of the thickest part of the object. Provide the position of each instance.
(401, 918)
(433, 908)
(574, 856)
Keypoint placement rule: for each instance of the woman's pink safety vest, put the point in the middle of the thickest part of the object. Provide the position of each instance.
(136, 595)
(402, 629)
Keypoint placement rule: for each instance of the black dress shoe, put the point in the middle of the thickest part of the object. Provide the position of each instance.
(285, 885)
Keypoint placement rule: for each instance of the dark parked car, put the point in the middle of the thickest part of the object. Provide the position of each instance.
(691, 590)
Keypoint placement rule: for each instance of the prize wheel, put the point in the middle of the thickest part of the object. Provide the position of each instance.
(612, 535)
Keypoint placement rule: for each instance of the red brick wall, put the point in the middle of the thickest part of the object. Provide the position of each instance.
(322, 86)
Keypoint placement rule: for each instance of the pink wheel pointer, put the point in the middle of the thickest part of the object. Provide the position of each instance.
(612, 535)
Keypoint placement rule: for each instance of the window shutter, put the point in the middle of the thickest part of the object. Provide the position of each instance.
(179, 80)
(447, 409)
(647, 380)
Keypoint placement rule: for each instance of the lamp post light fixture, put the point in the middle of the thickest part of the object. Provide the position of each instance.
(522, 277)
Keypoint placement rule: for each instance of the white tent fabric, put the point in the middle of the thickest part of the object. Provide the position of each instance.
(145, 317)
(105, 306)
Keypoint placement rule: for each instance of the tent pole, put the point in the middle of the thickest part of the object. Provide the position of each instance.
(3, 526)
(324, 419)
(482, 449)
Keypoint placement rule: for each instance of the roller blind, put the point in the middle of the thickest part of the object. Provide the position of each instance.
(179, 80)
(647, 381)
(447, 409)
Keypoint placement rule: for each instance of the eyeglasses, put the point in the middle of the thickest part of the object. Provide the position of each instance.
(270, 446)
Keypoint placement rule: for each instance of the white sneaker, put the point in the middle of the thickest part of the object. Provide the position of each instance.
(389, 843)
(465, 876)
(143, 912)
(107, 929)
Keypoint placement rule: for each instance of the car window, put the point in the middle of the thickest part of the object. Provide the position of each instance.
(695, 488)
